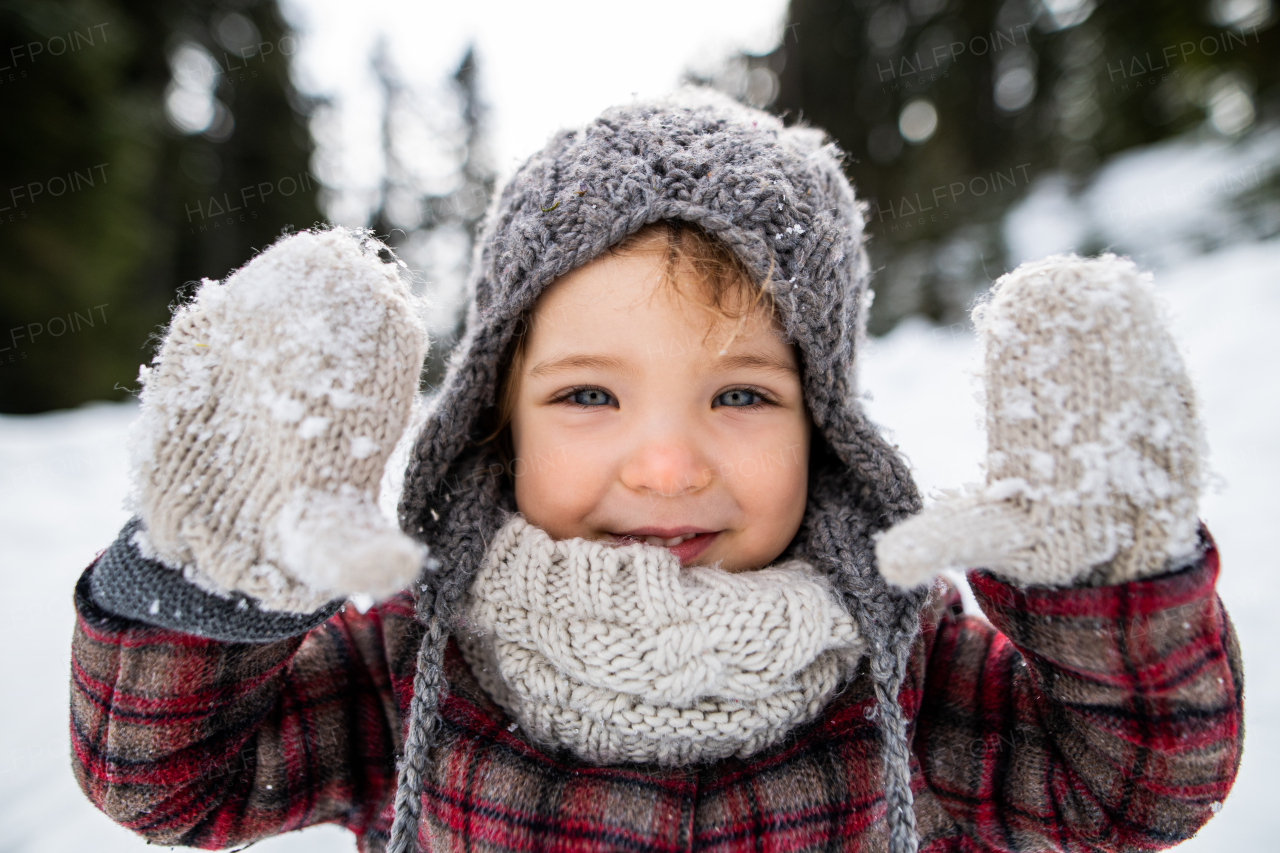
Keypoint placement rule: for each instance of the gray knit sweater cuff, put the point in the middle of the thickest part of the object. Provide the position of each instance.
(125, 583)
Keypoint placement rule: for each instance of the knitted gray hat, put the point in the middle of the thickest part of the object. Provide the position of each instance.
(778, 199)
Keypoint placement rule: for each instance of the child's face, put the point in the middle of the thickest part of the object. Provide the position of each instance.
(630, 422)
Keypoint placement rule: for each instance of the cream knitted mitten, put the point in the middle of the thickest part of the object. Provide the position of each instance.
(267, 418)
(1093, 446)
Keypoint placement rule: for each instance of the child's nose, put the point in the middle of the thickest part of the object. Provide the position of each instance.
(666, 467)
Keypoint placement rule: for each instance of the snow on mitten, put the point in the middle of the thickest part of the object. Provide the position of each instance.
(267, 419)
(1093, 447)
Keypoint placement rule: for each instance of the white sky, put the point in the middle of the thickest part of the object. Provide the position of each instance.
(543, 65)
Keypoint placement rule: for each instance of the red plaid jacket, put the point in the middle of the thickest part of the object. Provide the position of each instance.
(1082, 719)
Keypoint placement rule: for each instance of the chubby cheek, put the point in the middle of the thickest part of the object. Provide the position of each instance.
(769, 482)
(557, 483)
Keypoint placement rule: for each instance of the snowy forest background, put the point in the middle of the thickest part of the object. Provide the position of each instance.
(150, 144)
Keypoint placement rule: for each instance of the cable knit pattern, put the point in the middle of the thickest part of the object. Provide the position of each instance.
(1093, 445)
(266, 421)
(617, 654)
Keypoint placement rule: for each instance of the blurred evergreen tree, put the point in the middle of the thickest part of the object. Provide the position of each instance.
(436, 184)
(948, 109)
(183, 114)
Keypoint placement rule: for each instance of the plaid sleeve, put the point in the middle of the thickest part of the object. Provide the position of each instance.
(1106, 718)
(196, 742)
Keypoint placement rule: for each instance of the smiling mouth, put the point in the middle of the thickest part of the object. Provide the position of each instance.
(687, 546)
(657, 540)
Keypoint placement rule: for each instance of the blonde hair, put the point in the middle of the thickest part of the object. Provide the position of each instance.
(719, 281)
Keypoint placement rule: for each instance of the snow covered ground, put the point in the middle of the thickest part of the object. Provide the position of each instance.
(62, 478)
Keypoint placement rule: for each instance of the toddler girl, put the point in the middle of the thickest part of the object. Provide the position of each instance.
(668, 588)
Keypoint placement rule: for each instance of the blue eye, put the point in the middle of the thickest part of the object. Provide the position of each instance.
(739, 398)
(590, 397)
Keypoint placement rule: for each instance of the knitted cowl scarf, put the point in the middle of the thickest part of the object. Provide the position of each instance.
(778, 199)
(618, 654)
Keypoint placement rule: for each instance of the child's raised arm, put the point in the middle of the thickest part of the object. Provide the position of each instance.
(1091, 718)
(205, 743)
(1104, 708)
(214, 700)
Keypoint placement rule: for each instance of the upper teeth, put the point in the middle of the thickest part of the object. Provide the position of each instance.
(667, 543)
